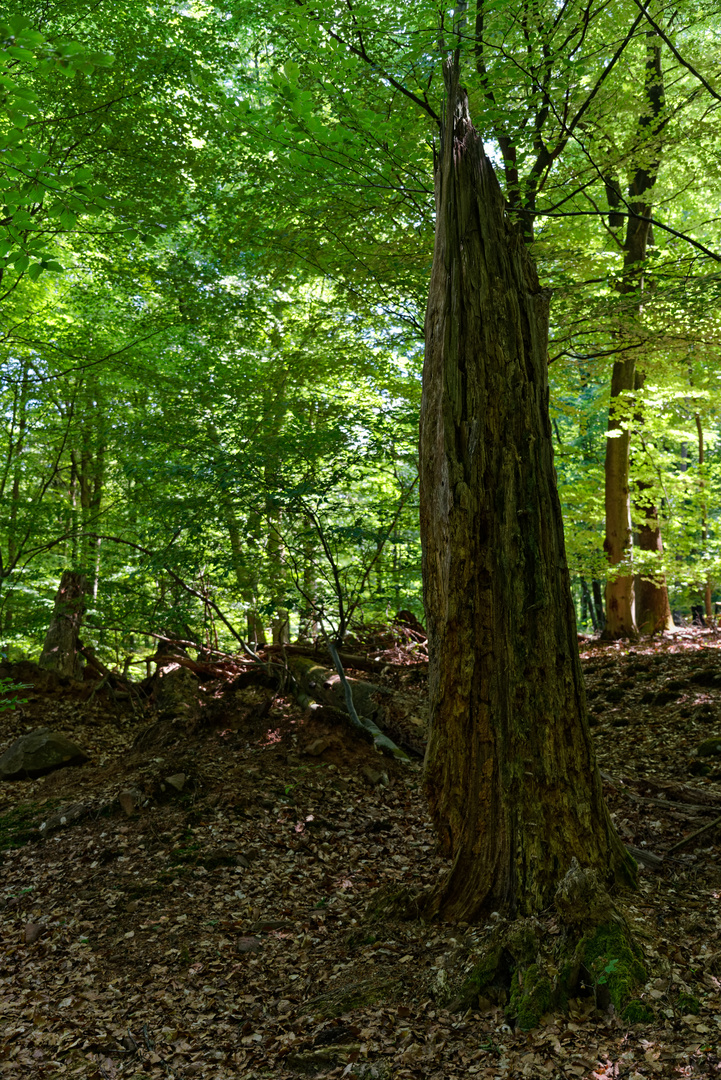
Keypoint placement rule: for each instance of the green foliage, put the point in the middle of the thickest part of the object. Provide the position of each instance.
(43, 188)
(7, 687)
(213, 411)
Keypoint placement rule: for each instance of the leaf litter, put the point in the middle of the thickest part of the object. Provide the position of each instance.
(216, 926)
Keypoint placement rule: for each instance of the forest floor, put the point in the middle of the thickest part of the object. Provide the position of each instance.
(196, 904)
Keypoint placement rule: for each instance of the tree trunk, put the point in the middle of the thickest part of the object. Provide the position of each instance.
(620, 609)
(707, 591)
(652, 604)
(588, 608)
(598, 601)
(60, 652)
(244, 578)
(620, 599)
(511, 775)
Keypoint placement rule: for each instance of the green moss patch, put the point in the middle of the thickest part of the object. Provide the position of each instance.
(530, 974)
(614, 961)
(21, 824)
(688, 1004)
(637, 1012)
(531, 996)
(484, 976)
(187, 856)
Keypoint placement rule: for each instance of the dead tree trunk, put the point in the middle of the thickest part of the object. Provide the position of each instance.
(60, 652)
(511, 775)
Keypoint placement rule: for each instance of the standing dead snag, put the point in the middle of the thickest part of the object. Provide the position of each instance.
(511, 775)
(60, 651)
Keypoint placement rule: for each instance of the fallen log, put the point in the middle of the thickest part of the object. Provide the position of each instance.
(349, 660)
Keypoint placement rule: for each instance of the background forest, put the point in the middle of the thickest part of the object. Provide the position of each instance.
(215, 247)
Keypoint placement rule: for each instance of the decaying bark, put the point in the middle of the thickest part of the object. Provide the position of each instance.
(511, 776)
(60, 652)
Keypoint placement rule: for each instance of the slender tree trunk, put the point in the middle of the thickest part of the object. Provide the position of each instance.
(16, 448)
(244, 579)
(587, 605)
(511, 776)
(244, 571)
(707, 597)
(653, 610)
(620, 606)
(597, 590)
(278, 571)
(308, 613)
(620, 599)
(89, 468)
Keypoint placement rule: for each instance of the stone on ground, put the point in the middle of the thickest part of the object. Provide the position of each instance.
(40, 752)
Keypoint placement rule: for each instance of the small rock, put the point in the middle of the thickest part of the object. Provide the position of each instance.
(710, 748)
(216, 857)
(130, 800)
(32, 932)
(248, 945)
(317, 747)
(375, 777)
(177, 781)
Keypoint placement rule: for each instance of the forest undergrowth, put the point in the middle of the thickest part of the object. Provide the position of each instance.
(197, 899)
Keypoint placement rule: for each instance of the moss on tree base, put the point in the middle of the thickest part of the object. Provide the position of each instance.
(614, 963)
(531, 968)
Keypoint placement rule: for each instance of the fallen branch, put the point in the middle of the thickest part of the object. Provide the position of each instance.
(684, 793)
(654, 862)
(693, 835)
(357, 663)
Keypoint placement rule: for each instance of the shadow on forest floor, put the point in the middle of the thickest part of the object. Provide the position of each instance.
(195, 904)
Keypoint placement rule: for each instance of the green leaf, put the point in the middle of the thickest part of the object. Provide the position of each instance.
(20, 54)
(105, 60)
(20, 120)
